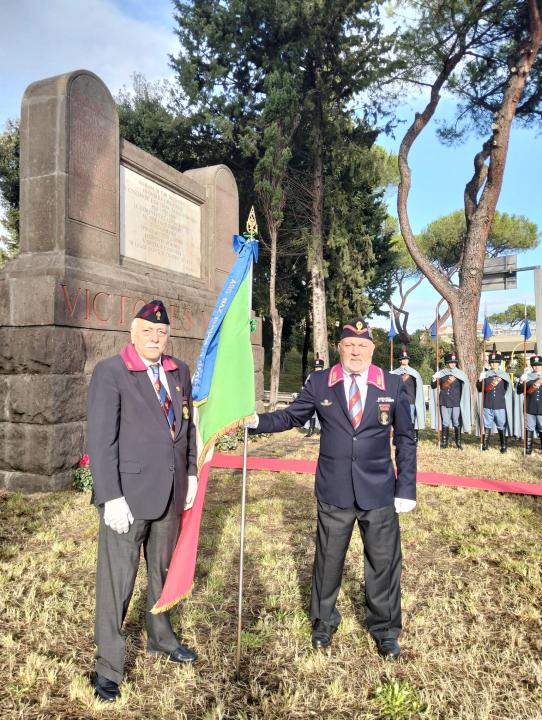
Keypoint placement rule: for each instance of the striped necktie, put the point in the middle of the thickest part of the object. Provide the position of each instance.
(165, 400)
(354, 402)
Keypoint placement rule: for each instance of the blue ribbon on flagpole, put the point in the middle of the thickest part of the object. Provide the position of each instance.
(434, 330)
(247, 251)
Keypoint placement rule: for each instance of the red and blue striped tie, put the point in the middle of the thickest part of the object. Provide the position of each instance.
(354, 402)
(165, 400)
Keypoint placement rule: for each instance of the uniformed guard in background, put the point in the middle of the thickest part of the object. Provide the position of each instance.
(496, 401)
(414, 389)
(532, 382)
(453, 389)
(313, 422)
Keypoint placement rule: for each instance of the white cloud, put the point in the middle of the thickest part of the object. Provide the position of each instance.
(41, 39)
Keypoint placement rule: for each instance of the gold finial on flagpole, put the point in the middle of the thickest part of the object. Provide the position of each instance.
(252, 225)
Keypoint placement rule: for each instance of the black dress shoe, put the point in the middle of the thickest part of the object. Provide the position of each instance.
(388, 648)
(105, 690)
(182, 654)
(322, 633)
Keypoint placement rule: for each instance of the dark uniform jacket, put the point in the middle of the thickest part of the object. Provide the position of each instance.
(355, 465)
(534, 394)
(132, 452)
(450, 391)
(494, 392)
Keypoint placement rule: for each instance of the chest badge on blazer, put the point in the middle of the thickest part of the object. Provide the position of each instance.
(186, 409)
(384, 417)
(326, 403)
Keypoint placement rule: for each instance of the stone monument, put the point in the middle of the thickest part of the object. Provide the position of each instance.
(105, 227)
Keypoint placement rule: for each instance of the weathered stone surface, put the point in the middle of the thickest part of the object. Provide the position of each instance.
(4, 398)
(25, 482)
(49, 350)
(47, 399)
(4, 301)
(41, 449)
(93, 153)
(32, 300)
(42, 219)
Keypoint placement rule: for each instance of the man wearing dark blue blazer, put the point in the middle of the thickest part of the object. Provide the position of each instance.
(357, 404)
(142, 447)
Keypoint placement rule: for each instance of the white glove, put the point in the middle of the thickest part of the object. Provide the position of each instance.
(191, 491)
(437, 375)
(117, 515)
(252, 424)
(524, 377)
(482, 375)
(402, 505)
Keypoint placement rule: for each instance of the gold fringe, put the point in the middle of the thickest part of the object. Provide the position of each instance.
(164, 608)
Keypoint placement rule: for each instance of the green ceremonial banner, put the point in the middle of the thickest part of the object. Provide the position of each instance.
(231, 396)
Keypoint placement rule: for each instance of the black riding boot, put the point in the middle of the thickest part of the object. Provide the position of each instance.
(416, 436)
(540, 436)
(457, 437)
(502, 438)
(444, 437)
(312, 426)
(487, 435)
(529, 442)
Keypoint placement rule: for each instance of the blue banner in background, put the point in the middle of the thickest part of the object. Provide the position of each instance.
(203, 374)
(487, 332)
(526, 330)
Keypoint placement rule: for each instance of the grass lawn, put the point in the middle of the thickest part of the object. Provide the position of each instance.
(472, 601)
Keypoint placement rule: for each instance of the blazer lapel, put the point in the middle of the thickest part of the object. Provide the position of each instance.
(338, 389)
(176, 392)
(369, 407)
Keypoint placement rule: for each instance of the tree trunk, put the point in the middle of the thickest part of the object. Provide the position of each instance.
(276, 321)
(305, 355)
(316, 255)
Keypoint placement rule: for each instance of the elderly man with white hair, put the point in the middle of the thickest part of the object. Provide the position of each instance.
(142, 447)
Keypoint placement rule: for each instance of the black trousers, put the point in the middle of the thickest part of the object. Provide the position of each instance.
(381, 538)
(118, 563)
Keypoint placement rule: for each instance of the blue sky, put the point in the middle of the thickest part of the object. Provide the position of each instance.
(115, 38)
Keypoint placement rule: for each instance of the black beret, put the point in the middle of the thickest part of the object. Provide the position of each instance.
(155, 312)
(357, 328)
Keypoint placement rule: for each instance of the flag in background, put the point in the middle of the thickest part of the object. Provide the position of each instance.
(526, 330)
(224, 396)
(434, 329)
(487, 332)
(393, 332)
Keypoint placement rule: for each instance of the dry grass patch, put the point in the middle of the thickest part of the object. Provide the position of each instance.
(472, 593)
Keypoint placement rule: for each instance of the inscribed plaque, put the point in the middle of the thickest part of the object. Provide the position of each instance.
(158, 226)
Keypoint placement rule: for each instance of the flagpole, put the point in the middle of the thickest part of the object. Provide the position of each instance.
(438, 379)
(252, 229)
(241, 558)
(482, 428)
(525, 386)
(391, 354)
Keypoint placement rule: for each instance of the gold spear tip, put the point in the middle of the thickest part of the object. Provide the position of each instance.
(252, 225)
